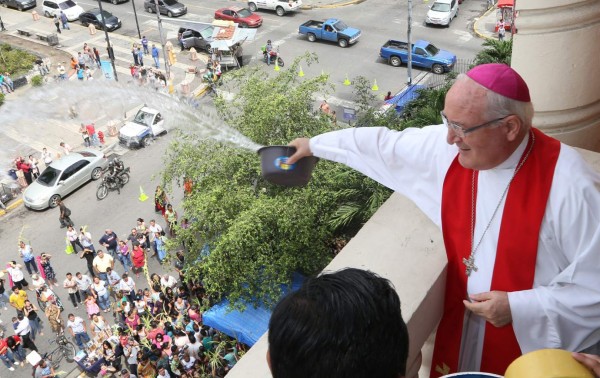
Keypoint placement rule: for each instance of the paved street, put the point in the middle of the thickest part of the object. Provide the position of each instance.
(119, 212)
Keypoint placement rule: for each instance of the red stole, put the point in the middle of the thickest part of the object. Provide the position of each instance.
(514, 267)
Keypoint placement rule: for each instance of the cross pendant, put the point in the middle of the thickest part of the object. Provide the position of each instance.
(470, 265)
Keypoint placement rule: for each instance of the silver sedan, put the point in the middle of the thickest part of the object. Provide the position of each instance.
(62, 177)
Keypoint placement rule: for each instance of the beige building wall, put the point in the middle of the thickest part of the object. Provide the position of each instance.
(557, 51)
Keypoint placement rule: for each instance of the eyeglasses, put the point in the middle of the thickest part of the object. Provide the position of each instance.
(460, 131)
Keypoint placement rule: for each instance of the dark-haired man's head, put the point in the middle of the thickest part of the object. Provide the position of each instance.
(343, 324)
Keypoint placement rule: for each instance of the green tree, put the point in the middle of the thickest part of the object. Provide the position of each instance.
(258, 234)
(495, 52)
(247, 236)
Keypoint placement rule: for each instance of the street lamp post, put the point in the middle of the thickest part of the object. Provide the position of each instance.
(136, 19)
(111, 54)
(409, 32)
(162, 41)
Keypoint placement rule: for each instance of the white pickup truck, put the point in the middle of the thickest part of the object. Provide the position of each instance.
(147, 124)
(281, 7)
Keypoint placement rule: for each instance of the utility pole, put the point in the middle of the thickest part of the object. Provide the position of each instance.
(408, 32)
(162, 41)
(136, 19)
(109, 48)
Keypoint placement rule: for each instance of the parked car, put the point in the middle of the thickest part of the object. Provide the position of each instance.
(171, 8)
(94, 17)
(147, 124)
(442, 12)
(332, 29)
(69, 8)
(241, 16)
(64, 176)
(19, 4)
(281, 7)
(424, 54)
(199, 38)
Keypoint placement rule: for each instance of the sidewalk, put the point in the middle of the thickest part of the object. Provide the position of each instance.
(485, 25)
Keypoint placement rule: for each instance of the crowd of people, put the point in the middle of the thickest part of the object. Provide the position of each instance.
(156, 318)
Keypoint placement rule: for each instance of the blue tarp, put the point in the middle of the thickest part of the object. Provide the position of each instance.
(408, 94)
(247, 326)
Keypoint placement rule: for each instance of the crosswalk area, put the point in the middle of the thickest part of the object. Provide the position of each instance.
(122, 47)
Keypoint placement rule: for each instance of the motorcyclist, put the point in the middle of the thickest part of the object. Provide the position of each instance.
(115, 167)
(268, 49)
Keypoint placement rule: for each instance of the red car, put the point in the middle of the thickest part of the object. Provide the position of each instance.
(242, 16)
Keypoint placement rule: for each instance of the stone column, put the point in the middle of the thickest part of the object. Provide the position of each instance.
(557, 51)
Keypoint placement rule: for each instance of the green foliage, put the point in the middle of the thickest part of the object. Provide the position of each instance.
(425, 110)
(495, 52)
(15, 61)
(247, 236)
(37, 80)
(258, 234)
(2, 98)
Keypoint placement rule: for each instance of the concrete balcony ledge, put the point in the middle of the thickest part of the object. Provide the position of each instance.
(402, 245)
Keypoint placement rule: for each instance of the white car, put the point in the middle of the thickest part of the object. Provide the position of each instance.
(147, 124)
(442, 12)
(281, 7)
(69, 8)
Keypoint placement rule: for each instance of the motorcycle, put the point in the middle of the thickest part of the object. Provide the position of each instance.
(274, 55)
(112, 182)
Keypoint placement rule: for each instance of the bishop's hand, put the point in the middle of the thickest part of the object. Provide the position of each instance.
(493, 306)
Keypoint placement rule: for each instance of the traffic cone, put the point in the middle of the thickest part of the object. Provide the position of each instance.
(375, 87)
(347, 81)
(277, 64)
(300, 73)
(143, 197)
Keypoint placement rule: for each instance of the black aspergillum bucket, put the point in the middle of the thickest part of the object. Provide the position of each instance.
(275, 169)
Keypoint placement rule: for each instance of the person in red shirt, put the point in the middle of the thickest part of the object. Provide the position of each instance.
(6, 355)
(15, 344)
(26, 168)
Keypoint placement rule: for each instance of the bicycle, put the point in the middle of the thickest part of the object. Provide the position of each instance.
(64, 349)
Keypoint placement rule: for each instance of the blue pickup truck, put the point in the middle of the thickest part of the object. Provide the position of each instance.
(424, 54)
(332, 29)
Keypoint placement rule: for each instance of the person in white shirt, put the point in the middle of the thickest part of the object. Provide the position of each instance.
(168, 281)
(85, 238)
(26, 252)
(16, 275)
(114, 280)
(163, 373)
(46, 156)
(23, 329)
(71, 285)
(101, 292)
(66, 148)
(127, 287)
(84, 283)
(78, 330)
(154, 228)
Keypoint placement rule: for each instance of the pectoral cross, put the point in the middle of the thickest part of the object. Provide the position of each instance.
(470, 264)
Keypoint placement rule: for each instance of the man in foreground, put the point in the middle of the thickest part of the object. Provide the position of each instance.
(518, 212)
(346, 324)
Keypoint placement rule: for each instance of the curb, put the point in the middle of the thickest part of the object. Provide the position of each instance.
(332, 6)
(12, 206)
(475, 28)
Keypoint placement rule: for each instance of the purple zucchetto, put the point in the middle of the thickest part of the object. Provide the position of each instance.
(500, 78)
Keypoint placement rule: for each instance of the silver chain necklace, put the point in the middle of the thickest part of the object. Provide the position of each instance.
(470, 262)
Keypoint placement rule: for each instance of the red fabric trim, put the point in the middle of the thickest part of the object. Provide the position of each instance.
(514, 268)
